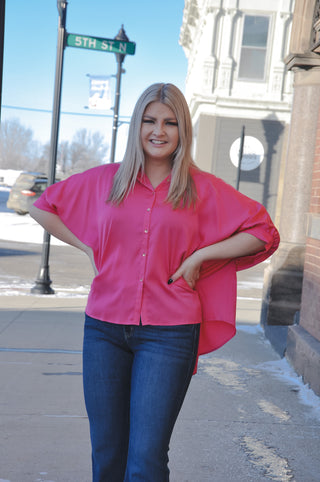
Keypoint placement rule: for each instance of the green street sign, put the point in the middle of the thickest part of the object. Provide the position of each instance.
(102, 44)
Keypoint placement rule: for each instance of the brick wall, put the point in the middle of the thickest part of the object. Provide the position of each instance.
(310, 306)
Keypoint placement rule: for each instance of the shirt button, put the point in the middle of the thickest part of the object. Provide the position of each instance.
(143, 254)
(141, 280)
(145, 230)
(148, 209)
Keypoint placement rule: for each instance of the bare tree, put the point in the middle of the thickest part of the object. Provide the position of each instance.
(41, 163)
(86, 150)
(18, 149)
(63, 157)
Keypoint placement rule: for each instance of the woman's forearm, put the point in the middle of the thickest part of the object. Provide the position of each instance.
(53, 224)
(241, 244)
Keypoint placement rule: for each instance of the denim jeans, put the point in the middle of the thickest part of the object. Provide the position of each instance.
(135, 380)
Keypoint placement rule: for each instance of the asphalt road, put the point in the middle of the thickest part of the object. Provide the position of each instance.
(20, 264)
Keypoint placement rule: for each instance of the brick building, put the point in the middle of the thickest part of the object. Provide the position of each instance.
(291, 304)
(303, 343)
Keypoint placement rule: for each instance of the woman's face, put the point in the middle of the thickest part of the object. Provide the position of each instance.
(159, 133)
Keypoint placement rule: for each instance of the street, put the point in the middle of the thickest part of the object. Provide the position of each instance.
(247, 416)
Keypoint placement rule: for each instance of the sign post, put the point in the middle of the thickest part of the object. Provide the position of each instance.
(118, 45)
(43, 281)
(121, 37)
(121, 47)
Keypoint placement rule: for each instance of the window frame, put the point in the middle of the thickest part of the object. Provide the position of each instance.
(266, 48)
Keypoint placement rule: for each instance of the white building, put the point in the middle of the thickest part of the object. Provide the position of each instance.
(237, 78)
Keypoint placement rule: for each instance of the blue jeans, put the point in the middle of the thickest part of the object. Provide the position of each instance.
(135, 380)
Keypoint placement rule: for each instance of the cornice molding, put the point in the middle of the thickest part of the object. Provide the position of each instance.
(190, 18)
(305, 60)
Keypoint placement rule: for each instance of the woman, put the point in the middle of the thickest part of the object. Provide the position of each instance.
(165, 240)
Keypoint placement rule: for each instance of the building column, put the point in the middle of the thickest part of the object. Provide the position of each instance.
(278, 69)
(283, 279)
(208, 45)
(227, 62)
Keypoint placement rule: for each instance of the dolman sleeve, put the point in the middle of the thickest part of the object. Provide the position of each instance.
(76, 201)
(225, 212)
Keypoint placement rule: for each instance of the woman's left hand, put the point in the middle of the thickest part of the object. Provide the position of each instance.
(240, 244)
(189, 270)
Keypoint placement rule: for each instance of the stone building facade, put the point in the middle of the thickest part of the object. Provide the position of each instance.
(258, 66)
(237, 82)
(291, 301)
(303, 338)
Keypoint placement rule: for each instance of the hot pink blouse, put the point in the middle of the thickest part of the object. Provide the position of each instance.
(139, 244)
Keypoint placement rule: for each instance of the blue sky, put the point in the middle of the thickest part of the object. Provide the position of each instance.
(30, 57)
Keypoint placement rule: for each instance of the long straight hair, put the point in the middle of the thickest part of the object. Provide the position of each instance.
(182, 191)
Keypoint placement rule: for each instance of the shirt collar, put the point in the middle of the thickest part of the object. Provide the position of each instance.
(143, 179)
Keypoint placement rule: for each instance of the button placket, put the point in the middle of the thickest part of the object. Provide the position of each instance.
(145, 236)
(145, 239)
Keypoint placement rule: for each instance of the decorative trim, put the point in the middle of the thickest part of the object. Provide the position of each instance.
(315, 40)
(306, 60)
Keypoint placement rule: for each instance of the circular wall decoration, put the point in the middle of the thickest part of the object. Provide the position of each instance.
(253, 153)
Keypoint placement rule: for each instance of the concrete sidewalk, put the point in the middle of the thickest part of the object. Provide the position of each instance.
(243, 419)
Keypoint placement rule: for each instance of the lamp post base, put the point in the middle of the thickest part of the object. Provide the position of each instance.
(43, 282)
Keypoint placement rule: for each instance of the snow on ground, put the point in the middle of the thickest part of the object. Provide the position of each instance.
(22, 229)
(14, 227)
(282, 370)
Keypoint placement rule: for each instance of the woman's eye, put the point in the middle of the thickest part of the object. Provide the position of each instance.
(172, 123)
(147, 121)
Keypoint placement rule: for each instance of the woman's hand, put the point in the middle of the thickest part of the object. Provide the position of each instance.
(189, 270)
(241, 244)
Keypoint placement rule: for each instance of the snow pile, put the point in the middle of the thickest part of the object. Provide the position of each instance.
(9, 176)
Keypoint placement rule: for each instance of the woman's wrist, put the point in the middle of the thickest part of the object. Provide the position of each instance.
(200, 255)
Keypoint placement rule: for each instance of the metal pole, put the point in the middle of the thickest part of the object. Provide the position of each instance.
(2, 22)
(120, 58)
(43, 280)
(240, 157)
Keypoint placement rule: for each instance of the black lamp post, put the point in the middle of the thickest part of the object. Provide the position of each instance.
(120, 58)
(240, 157)
(43, 280)
(2, 18)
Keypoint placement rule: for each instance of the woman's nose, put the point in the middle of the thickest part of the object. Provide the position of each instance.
(158, 128)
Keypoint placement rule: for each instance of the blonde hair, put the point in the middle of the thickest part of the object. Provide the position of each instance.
(182, 189)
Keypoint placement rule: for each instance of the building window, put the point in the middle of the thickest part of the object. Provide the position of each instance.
(254, 47)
